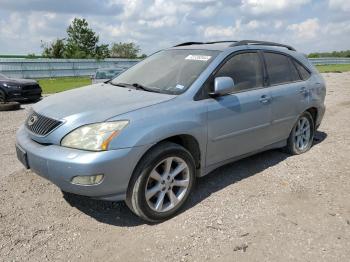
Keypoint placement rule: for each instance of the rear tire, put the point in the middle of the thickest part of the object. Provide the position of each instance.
(302, 135)
(161, 182)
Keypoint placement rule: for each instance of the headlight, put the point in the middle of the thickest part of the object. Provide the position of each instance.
(12, 86)
(94, 137)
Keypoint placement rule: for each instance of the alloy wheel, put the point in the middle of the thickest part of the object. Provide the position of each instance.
(302, 134)
(167, 184)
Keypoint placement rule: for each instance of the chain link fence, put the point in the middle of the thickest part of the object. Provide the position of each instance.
(45, 68)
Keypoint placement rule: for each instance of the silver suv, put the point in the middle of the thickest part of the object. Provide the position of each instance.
(146, 135)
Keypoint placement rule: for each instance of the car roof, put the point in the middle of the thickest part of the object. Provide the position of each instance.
(232, 46)
(229, 44)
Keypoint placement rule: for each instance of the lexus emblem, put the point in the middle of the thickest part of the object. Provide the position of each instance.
(32, 120)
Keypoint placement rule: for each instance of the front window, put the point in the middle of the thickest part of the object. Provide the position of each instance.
(169, 71)
(245, 69)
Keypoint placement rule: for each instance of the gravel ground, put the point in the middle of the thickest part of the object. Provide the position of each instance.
(269, 207)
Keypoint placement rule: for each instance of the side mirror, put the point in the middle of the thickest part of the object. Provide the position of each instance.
(222, 86)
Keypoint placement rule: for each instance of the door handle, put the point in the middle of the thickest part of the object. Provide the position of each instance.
(264, 99)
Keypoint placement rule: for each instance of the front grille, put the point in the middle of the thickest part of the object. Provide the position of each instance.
(41, 125)
(30, 87)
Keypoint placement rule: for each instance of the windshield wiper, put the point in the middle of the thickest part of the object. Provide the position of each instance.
(118, 84)
(137, 87)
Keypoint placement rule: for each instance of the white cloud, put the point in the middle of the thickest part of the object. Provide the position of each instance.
(11, 27)
(219, 32)
(212, 33)
(343, 5)
(38, 24)
(338, 28)
(278, 24)
(306, 30)
(157, 24)
(255, 24)
(208, 11)
(131, 7)
(166, 21)
(166, 8)
(271, 6)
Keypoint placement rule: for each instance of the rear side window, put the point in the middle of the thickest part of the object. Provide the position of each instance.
(294, 75)
(280, 69)
(245, 69)
(302, 71)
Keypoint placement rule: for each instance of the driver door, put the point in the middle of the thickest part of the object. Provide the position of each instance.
(239, 123)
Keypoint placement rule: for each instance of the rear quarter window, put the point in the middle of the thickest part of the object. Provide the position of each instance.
(280, 69)
(304, 73)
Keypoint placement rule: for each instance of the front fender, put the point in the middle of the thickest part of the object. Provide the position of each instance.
(150, 125)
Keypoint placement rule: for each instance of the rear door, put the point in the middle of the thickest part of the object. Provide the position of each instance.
(238, 123)
(288, 90)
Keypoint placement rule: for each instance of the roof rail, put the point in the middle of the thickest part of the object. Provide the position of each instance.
(189, 43)
(203, 43)
(224, 41)
(239, 43)
(254, 42)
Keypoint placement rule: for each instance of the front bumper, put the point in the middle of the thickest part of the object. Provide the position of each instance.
(24, 95)
(60, 164)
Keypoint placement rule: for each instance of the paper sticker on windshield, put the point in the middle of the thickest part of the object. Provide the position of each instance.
(198, 57)
(179, 86)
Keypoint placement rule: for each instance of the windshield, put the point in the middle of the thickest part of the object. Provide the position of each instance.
(107, 74)
(169, 71)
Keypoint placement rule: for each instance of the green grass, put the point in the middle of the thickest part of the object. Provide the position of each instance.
(333, 68)
(55, 85)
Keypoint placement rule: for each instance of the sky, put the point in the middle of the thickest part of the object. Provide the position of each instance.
(308, 25)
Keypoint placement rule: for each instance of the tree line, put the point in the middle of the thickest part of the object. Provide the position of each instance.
(83, 42)
(345, 53)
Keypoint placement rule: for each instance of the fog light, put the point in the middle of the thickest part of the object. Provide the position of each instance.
(87, 180)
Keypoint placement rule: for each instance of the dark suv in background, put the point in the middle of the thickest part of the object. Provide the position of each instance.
(12, 89)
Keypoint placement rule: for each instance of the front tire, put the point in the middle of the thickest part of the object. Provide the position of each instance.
(302, 135)
(9, 106)
(2, 96)
(161, 182)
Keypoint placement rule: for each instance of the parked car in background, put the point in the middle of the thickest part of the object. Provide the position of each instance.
(105, 74)
(146, 135)
(13, 89)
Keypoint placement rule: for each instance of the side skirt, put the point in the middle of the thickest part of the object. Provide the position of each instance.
(210, 168)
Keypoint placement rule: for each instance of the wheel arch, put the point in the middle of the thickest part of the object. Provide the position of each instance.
(314, 113)
(187, 141)
(4, 91)
(190, 143)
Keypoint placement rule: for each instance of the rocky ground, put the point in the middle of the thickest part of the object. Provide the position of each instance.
(269, 207)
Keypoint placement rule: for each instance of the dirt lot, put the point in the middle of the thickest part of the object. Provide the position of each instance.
(269, 207)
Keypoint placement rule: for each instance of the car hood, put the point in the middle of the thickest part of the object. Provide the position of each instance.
(18, 81)
(96, 103)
